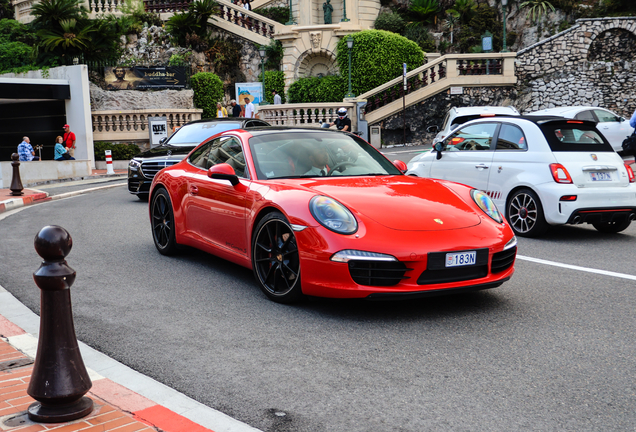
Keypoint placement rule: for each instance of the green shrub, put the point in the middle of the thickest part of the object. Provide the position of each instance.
(119, 151)
(274, 52)
(15, 31)
(390, 21)
(279, 14)
(274, 80)
(14, 55)
(420, 35)
(331, 88)
(377, 57)
(208, 90)
(485, 19)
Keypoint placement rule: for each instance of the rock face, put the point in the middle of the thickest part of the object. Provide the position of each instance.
(591, 63)
(131, 99)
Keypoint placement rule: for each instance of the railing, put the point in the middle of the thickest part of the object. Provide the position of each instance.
(448, 66)
(164, 6)
(305, 115)
(121, 125)
(104, 6)
(249, 20)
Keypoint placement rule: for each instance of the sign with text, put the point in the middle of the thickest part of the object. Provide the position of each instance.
(142, 77)
(456, 90)
(158, 128)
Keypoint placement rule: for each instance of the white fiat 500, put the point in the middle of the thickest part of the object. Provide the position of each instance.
(539, 170)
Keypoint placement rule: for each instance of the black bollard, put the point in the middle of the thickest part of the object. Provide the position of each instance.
(16, 183)
(59, 380)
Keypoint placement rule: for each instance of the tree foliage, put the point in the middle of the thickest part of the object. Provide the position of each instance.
(194, 22)
(464, 10)
(537, 8)
(277, 13)
(423, 11)
(50, 13)
(331, 88)
(208, 90)
(274, 80)
(390, 21)
(14, 55)
(377, 57)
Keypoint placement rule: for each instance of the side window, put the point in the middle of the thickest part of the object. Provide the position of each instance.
(511, 138)
(585, 115)
(199, 157)
(476, 137)
(604, 116)
(228, 150)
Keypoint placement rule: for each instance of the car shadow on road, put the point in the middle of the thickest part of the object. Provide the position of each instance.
(584, 233)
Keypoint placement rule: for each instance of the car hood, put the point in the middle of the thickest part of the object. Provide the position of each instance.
(165, 151)
(400, 202)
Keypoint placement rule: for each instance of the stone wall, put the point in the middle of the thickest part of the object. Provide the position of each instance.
(431, 112)
(136, 99)
(591, 63)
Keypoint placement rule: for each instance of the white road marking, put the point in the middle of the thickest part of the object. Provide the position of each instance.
(578, 268)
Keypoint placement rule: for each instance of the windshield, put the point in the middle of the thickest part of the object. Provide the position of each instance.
(195, 133)
(573, 136)
(297, 154)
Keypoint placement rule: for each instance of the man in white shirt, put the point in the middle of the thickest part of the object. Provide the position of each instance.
(319, 159)
(249, 108)
(277, 98)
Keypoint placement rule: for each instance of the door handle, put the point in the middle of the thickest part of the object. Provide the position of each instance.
(481, 166)
(194, 190)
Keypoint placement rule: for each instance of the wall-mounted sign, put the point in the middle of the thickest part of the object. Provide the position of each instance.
(253, 91)
(141, 77)
(158, 128)
(486, 42)
(456, 90)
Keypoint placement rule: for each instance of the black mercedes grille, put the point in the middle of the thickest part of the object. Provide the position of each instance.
(151, 168)
(436, 271)
(377, 273)
(502, 261)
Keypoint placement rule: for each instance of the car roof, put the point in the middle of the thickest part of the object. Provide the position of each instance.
(223, 119)
(537, 119)
(485, 109)
(275, 129)
(566, 109)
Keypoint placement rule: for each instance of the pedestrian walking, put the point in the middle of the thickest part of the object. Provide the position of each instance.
(69, 140)
(277, 98)
(236, 108)
(249, 108)
(25, 150)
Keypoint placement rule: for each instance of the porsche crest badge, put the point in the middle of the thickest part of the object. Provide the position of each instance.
(594, 157)
(439, 221)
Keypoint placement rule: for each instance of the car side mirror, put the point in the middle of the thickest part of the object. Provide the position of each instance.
(223, 171)
(163, 140)
(433, 128)
(622, 119)
(400, 165)
(438, 148)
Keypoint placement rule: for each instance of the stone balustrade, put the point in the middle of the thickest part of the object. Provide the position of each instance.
(104, 7)
(249, 20)
(127, 125)
(305, 114)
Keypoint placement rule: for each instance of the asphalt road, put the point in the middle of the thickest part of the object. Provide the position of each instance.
(552, 349)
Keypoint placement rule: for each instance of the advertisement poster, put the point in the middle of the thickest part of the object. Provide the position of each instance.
(253, 91)
(142, 77)
(158, 128)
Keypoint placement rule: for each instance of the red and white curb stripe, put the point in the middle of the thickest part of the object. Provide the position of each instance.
(17, 202)
(147, 400)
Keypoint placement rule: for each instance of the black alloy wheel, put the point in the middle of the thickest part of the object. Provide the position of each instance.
(162, 219)
(525, 214)
(612, 227)
(275, 259)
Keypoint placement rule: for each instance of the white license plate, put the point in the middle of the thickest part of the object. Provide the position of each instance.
(461, 259)
(601, 176)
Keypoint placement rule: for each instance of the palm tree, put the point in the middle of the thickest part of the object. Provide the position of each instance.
(451, 21)
(50, 13)
(537, 8)
(72, 38)
(464, 10)
(423, 11)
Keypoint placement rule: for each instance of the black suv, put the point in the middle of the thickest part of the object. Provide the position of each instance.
(143, 167)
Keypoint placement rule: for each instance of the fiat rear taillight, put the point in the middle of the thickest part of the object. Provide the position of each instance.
(560, 174)
(630, 173)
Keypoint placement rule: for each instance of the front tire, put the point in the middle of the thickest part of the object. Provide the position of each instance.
(525, 214)
(275, 259)
(612, 227)
(162, 220)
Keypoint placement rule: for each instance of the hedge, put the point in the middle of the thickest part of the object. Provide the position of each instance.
(208, 90)
(14, 55)
(274, 80)
(331, 88)
(376, 58)
(119, 151)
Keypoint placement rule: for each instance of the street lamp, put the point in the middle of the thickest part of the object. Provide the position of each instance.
(262, 53)
(291, 17)
(504, 4)
(350, 46)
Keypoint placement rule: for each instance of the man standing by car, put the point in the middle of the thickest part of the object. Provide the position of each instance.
(69, 140)
(25, 151)
(249, 108)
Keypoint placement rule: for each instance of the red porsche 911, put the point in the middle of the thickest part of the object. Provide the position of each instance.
(323, 213)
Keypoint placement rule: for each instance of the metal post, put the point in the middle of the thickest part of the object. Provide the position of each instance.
(350, 46)
(262, 52)
(291, 17)
(59, 379)
(344, 9)
(505, 8)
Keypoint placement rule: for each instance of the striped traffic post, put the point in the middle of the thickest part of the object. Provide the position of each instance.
(109, 162)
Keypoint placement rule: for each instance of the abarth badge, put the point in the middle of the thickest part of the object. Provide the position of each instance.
(594, 157)
(169, 153)
(439, 221)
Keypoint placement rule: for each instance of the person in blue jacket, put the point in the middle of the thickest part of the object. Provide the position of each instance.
(632, 121)
(61, 153)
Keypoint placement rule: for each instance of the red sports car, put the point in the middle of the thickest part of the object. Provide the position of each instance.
(323, 213)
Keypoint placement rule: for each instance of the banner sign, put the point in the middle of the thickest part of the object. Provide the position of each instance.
(253, 91)
(143, 77)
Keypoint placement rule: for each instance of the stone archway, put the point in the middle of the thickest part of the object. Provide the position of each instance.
(613, 45)
(319, 64)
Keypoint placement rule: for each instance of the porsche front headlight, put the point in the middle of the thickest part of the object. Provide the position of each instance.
(333, 215)
(486, 204)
